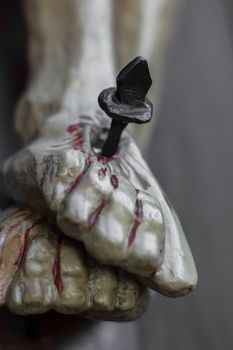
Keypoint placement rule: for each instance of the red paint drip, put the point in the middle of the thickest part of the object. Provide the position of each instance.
(77, 142)
(102, 173)
(102, 159)
(19, 222)
(57, 268)
(11, 215)
(138, 211)
(23, 248)
(74, 127)
(138, 208)
(133, 231)
(81, 175)
(114, 181)
(95, 214)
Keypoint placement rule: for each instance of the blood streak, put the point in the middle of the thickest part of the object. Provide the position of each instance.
(12, 214)
(23, 248)
(81, 175)
(72, 128)
(77, 142)
(18, 222)
(133, 231)
(102, 173)
(114, 181)
(57, 267)
(95, 214)
(138, 211)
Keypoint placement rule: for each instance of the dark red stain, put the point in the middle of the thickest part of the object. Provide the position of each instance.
(114, 181)
(75, 127)
(102, 159)
(138, 208)
(102, 173)
(57, 267)
(22, 215)
(133, 231)
(95, 214)
(77, 142)
(18, 222)
(24, 245)
(11, 215)
(138, 211)
(81, 175)
(72, 128)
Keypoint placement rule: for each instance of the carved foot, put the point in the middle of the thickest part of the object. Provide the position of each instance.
(113, 205)
(40, 269)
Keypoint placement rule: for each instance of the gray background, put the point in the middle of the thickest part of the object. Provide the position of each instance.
(191, 155)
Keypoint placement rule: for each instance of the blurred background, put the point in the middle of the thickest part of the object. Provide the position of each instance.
(190, 153)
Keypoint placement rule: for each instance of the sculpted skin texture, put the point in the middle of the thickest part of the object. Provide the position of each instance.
(98, 229)
(41, 270)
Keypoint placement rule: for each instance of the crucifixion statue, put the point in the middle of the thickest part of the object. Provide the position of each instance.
(91, 230)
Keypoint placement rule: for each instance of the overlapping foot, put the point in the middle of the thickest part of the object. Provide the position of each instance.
(113, 205)
(41, 269)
